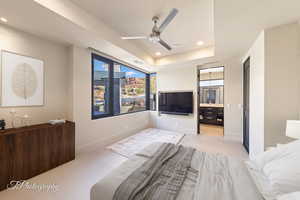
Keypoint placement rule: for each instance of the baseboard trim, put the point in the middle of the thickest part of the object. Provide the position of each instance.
(102, 143)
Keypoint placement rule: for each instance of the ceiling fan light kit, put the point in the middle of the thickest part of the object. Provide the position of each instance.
(156, 31)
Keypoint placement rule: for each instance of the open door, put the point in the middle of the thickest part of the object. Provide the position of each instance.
(211, 101)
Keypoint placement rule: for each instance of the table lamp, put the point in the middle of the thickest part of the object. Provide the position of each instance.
(293, 129)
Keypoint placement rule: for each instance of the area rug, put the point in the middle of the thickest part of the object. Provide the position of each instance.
(134, 144)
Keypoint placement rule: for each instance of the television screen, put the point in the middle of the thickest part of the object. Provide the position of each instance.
(176, 102)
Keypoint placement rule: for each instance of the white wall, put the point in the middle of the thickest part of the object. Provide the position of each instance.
(185, 78)
(233, 99)
(55, 57)
(100, 132)
(282, 79)
(274, 85)
(177, 79)
(70, 83)
(257, 95)
(68, 91)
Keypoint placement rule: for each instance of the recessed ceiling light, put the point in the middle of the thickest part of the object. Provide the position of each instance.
(3, 19)
(200, 43)
(158, 53)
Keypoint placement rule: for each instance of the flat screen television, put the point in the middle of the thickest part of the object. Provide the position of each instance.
(180, 103)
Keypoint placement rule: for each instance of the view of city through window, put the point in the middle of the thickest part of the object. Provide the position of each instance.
(131, 89)
(128, 89)
(101, 87)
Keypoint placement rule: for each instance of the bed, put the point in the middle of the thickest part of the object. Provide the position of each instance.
(209, 177)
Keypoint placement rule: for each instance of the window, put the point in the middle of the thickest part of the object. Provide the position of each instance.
(130, 89)
(153, 91)
(101, 86)
(117, 89)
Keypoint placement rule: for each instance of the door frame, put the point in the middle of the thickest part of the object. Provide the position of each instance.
(246, 64)
(198, 95)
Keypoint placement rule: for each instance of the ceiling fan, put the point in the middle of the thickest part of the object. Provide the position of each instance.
(156, 31)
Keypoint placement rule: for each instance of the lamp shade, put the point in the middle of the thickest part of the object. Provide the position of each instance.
(293, 128)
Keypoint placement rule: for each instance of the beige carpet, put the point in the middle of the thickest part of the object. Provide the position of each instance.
(76, 178)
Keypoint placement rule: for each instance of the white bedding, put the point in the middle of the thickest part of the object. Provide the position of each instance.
(277, 171)
(220, 178)
(290, 196)
(136, 143)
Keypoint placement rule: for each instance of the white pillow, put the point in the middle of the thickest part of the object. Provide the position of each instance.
(277, 171)
(259, 162)
(290, 196)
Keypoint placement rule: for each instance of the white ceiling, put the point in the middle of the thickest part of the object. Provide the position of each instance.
(238, 22)
(193, 23)
(47, 22)
(236, 25)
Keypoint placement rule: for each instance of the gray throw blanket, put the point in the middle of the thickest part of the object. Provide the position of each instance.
(161, 177)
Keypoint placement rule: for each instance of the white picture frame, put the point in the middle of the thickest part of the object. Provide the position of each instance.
(22, 80)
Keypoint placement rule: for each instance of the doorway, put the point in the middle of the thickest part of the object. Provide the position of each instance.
(246, 89)
(211, 101)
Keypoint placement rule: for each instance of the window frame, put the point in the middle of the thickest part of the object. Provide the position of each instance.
(156, 93)
(111, 99)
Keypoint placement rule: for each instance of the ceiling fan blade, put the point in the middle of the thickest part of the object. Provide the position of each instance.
(164, 44)
(134, 38)
(168, 20)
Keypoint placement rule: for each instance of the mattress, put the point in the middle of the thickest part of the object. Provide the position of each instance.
(219, 177)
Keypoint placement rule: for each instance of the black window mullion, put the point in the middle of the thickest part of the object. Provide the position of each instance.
(92, 83)
(147, 92)
(111, 88)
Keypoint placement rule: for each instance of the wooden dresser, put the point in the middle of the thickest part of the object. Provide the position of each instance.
(29, 151)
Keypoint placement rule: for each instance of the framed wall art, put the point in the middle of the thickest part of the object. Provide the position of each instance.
(22, 81)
